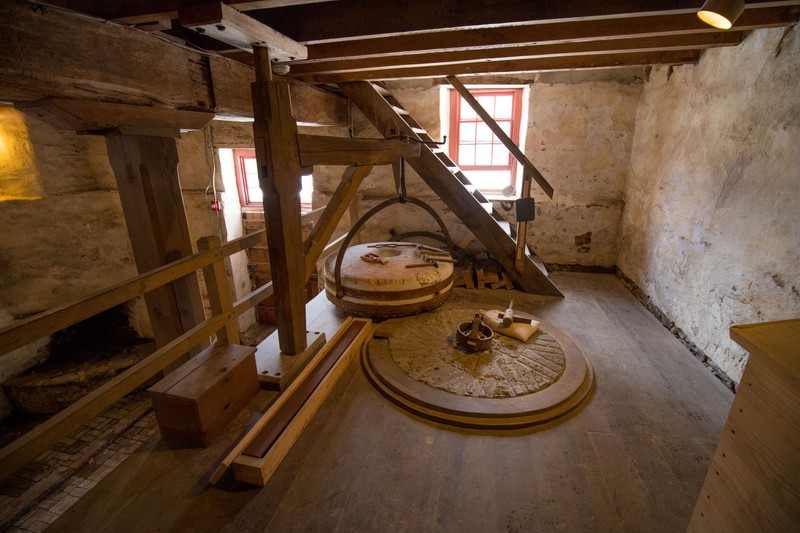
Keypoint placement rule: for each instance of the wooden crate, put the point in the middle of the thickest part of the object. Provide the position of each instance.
(194, 403)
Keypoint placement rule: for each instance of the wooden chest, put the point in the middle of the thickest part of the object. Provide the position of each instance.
(194, 403)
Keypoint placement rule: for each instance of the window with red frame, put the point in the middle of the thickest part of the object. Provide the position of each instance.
(247, 180)
(474, 148)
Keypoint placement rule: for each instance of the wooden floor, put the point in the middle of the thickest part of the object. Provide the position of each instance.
(633, 459)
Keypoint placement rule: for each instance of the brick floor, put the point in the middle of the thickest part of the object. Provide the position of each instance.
(36, 495)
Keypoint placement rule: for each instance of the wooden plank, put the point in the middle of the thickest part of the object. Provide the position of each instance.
(146, 169)
(224, 23)
(338, 204)
(89, 116)
(279, 174)
(342, 352)
(753, 482)
(324, 150)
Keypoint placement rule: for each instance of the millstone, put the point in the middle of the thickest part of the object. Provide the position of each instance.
(390, 289)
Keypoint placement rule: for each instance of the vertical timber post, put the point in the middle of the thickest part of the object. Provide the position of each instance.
(279, 174)
(522, 227)
(146, 169)
(219, 290)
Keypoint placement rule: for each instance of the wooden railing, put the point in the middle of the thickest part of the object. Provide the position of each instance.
(222, 321)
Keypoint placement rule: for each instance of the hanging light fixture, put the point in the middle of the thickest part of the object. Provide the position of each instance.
(721, 13)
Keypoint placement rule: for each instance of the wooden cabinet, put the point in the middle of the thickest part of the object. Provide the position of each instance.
(753, 483)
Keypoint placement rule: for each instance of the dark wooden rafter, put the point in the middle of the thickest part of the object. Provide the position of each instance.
(692, 41)
(352, 40)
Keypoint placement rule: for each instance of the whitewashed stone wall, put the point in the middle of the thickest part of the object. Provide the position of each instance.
(711, 230)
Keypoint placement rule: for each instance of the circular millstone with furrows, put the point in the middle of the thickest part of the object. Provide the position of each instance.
(416, 362)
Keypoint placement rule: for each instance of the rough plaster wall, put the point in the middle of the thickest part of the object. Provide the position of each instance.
(579, 137)
(711, 229)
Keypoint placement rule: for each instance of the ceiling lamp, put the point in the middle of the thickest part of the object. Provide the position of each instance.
(721, 13)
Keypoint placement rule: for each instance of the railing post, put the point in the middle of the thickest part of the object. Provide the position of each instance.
(522, 226)
(218, 289)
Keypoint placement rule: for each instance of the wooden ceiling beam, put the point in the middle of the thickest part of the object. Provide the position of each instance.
(359, 18)
(224, 23)
(80, 60)
(540, 33)
(696, 41)
(592, 61)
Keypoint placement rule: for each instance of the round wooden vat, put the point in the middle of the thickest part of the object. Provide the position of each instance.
(395, 285)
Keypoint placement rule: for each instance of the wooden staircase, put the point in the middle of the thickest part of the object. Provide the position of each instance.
(452, 186)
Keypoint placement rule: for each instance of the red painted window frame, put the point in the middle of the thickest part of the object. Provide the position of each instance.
(241, 177)
(516, 120)
(239, 155)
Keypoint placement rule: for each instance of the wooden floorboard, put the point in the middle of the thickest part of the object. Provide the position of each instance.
(633, 459)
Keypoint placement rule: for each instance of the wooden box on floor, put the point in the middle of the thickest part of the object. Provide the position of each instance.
(194, 403)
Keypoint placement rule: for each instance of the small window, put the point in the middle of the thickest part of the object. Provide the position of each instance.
(474, 148)
(249, 188)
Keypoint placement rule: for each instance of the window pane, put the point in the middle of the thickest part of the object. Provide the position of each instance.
(505, 126)
(466, 155)
(489, 180)
(483, 154)
(500, 155)
(250, 165)
(466, 132)
(504, 106)
(254, 194)
(487, 102)
(307, 189)
(484, 133)
(466, 111)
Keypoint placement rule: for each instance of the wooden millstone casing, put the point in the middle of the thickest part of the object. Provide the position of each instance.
(391, 289)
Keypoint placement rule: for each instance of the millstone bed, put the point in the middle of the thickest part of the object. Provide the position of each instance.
(416, 362)
(422, 348)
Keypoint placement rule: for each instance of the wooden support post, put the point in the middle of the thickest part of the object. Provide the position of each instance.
(219, 290)
(279, 174)
(146, 169)
(522, 227)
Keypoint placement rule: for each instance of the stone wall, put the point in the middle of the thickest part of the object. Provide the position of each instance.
(711, 229)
